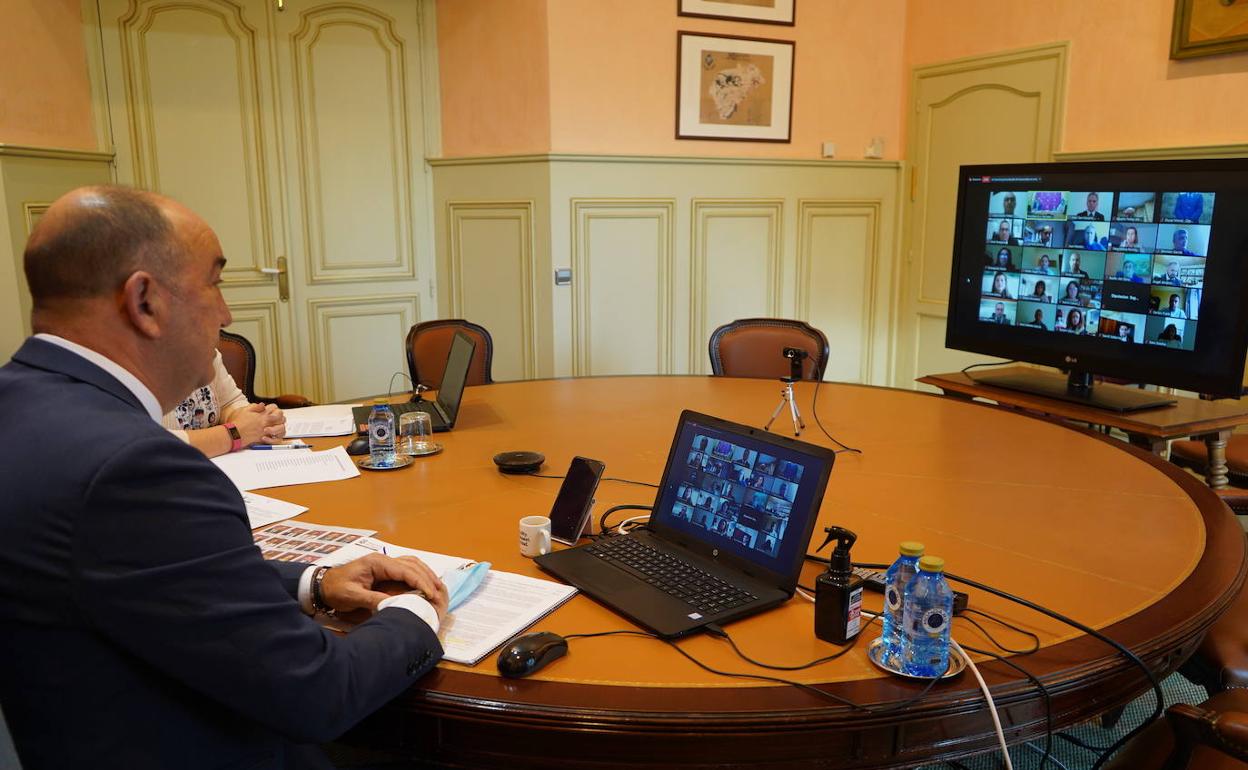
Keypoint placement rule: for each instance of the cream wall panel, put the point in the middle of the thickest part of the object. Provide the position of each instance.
(30, 179)
(837, 260)
(623, 276)
(358, 344)
(765, 241)
(258, 322)
(191, 77)
(491, 278)
(735, 269)
(358, 216)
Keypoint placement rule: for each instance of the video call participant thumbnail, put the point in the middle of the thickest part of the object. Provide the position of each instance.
(1090, 236)
(1000, 312)
(1128, 267)
(1080, 321)
(1124, 327)
(1183, 240)
(1004, 258)
(1131, 237)
(1043, 233)
(1175, 270)
(1046, 204)
(1134, 207)
(1192, 208)
(1084, 264)
(1041, 261)
(1126, 297)
(1004, 203)
(1172, 303)
(1004, 231)
(1091, 205)
(1037, 315)
(1170, 333)
(1000, 284)
(1036, 288)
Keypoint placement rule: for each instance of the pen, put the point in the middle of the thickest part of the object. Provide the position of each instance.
(280, 446)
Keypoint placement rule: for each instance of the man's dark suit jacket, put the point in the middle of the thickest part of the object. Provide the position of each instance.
(141, 627)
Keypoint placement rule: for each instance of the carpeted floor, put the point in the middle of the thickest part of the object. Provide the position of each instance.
(1067, 756)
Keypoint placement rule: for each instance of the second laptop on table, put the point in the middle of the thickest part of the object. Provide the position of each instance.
(445, 408)
(731, 523)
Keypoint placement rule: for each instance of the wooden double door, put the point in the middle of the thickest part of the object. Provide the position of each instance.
(298, 130)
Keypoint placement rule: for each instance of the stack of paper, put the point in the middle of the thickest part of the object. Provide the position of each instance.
(502, 606)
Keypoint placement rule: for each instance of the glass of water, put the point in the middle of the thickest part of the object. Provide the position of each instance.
(415, 429)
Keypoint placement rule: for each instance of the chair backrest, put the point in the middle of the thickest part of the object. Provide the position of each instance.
(429, 343)
(754, 347)
(239, 357)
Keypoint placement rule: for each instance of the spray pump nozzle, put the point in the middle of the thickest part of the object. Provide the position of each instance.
(840, 562)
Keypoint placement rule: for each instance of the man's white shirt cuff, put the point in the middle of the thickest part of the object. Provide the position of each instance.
(415, 604)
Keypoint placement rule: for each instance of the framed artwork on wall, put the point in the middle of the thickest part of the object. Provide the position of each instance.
(733, 88)
(760, 11)
(1208, 27)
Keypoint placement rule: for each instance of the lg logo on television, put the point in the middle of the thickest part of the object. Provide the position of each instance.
(1071, 360)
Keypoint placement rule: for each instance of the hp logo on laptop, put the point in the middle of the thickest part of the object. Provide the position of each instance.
(715, 552)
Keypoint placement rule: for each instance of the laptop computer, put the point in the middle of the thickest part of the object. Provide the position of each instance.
(731, 524)
(445, 408)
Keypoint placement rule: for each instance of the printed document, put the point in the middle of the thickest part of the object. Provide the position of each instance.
(257, 470)
(262, 510)
(502, 606)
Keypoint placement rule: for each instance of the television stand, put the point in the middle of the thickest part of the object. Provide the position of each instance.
(1211, 421)
(1078, 388)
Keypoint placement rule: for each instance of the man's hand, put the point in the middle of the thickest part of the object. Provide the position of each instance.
(260, 424)
(362, 583)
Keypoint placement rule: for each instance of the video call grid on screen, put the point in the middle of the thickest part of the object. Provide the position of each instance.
(742, 495)
(1122, 265)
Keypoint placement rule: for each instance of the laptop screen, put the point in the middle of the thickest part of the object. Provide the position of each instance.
(742, 491)
(455, 375)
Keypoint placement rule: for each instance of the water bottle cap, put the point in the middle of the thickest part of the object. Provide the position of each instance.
(932, 564)
(380, 402)
(911, 548)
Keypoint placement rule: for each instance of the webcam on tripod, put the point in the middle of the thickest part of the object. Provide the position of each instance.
(796, 356)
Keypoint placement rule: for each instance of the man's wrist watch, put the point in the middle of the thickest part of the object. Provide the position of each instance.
(236, 438)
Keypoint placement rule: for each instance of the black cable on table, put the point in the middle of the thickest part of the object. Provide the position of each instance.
(814, 410)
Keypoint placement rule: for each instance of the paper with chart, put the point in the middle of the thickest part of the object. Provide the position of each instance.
(502, 606)
(322, 420)
(257, 470)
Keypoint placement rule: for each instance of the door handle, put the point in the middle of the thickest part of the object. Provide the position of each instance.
(283, 280)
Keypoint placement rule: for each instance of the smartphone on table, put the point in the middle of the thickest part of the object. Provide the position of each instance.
(570, 513)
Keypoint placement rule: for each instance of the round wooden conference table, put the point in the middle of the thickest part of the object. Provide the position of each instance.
(1088, 526)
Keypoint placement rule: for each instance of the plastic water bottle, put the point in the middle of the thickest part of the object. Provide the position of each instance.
(895, 581)
(927, 611)
(381, 435)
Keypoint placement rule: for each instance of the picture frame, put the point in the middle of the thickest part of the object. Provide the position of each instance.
(1208, 28)
(734, 88)
(757, 11)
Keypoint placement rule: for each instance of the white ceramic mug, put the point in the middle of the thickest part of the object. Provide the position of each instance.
(534, 536)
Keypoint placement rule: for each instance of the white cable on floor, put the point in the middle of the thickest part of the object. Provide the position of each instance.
(992, 707)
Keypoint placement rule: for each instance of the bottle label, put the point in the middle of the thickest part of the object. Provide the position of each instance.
(892, 597)
(853, 620)
(381, 431)
(933, 622)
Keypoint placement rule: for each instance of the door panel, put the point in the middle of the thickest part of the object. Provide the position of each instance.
(997, 109)
(191, 102)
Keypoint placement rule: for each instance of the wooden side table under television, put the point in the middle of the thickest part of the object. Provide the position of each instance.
(1212, 421)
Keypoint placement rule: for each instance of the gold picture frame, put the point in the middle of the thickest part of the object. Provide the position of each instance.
(734, 88)
(1209, 28)
(756, 11)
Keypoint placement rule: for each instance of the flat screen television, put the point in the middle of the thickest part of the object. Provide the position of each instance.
(1134, 270)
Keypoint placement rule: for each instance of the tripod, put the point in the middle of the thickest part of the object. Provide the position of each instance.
(786, 397)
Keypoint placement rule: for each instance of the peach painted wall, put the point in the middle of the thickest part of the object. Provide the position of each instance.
(1123, 91)
(45, 93)
(612, 77)
(494, 67)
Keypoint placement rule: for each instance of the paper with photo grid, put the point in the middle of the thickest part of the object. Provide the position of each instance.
(502, 606)
(304, 542)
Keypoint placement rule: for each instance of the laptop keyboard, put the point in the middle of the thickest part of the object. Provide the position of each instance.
(701, 590)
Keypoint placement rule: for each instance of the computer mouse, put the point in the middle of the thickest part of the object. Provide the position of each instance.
(358, 446)
(530, 653)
